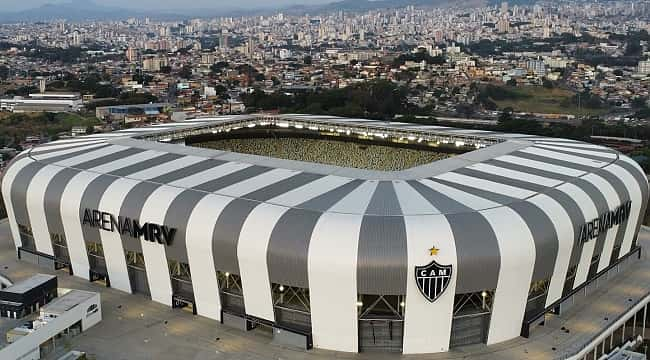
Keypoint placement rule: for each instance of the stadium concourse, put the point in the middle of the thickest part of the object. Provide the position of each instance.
(477, 248)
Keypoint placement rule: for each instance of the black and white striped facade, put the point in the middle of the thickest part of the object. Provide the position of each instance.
(503, 216)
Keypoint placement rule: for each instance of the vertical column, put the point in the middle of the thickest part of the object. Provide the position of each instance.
(35, 199)
(517, 263)
(70, 210)
(251, 253)
(155, 258)
(111, 202)
(420, 335)
(200, 255)
(333, 282)
(7, 184)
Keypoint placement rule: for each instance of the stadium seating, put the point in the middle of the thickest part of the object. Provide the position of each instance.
(339, 153)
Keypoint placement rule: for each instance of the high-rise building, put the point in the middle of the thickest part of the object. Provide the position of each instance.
(223, 40)
(644, 67)
(503, 26)
(131, 54)
(76, 38)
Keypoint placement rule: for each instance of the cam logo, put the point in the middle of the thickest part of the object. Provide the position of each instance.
(432, 279)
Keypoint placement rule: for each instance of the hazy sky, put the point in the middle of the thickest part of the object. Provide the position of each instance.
(13, 5)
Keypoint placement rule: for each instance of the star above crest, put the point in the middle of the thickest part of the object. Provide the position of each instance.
(434, 251)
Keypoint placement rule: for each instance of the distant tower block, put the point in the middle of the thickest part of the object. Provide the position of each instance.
(41, 85)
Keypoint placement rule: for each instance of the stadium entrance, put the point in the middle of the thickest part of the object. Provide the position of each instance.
(98, 271)
(137, 273)
(471, 320)
(182, 290)
(381, 323)
(231, 294)
(61, 254)
(291, 308)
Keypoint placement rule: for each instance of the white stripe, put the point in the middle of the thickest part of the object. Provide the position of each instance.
(572, 144)
(209, 175)
(565, 237)
(70, 205)
(81, 149)
(127, 161)
(66, 145)
(332, 266)
(411, 202)
(517, 250)
(579, 151)
(111, 202)
(155, 259)
(76, 160)
(636, 196)
(251, 250)
(7, 184)
(613, 201)
(562, 170)
(357, 201)
(564, 157)
(166, 168)
(419, 334)
(257, 182)
(303, 193)
(589, 212)
(469, 200)
(486, 185)
(200, 255)
(35, 203)
(514, 174)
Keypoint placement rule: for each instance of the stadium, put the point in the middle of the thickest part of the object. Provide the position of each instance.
(342, 234)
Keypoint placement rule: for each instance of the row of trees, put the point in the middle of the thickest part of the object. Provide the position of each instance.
(375, 99)
(16, 127)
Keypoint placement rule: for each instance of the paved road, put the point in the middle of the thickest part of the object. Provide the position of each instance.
(136, 328)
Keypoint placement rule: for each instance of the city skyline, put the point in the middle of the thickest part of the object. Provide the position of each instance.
(14, 5)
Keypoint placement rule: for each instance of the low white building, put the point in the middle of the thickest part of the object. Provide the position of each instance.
(46, 102)
(73, 311)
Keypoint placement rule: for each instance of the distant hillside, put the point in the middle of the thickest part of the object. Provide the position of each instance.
(76, 10)
(82, 10)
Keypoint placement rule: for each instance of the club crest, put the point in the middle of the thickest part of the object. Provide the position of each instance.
(432, 279)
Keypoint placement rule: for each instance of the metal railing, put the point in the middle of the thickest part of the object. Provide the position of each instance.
(584, 287)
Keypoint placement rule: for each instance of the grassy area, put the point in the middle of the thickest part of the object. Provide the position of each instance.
(539, 99)
(15, 127)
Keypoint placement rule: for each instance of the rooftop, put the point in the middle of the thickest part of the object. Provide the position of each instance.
(28, 284)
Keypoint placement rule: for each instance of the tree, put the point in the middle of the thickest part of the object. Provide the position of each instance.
(218, 67)
(4, 72)
(548, 84)
(633, 47)
(186, 72)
